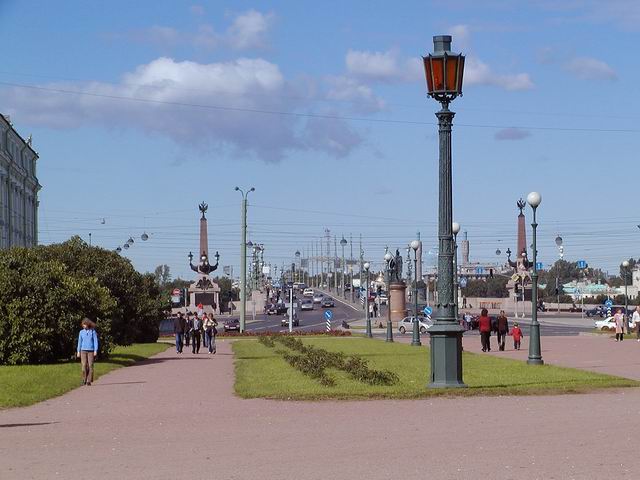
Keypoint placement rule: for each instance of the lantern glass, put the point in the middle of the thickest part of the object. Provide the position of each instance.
(452, 73)
(437, 67)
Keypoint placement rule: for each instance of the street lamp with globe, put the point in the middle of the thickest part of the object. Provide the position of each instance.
(368, 332)
(535, 354)
(387, 259)
(415, 340)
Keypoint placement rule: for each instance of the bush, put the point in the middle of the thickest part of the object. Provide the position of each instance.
(45, 292)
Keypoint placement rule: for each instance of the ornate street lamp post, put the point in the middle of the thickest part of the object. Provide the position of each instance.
(299, 266)
(366, 300)
(444, 71)
(415, 341)
(243, 258)
(387, 260)
(535, 354)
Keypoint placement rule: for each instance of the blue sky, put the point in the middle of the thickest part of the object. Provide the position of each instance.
(141, 110)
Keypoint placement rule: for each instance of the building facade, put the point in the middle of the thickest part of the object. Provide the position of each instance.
(19, 188)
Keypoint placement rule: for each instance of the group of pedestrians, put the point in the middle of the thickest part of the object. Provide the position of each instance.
(619, 319)
(501, 328)
(192, 329)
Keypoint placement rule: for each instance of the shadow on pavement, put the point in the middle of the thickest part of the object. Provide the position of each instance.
(12, 425)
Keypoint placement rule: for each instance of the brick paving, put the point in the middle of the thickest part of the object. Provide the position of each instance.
(175, 417)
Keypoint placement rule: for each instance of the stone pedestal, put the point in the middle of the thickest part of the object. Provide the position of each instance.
(397, 297)
(206, 292)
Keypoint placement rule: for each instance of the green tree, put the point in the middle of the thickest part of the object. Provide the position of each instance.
(41, 306)
(162, 274)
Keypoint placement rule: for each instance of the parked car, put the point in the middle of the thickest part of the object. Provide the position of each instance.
(347, 287)
(327, 302)
(406, 324)
(308, 292)
(317, 297)
(307, 304)
(608, 324)
(232, 324)
(276, 309)
(383, 298)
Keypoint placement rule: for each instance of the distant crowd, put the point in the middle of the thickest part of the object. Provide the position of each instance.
(192, 329)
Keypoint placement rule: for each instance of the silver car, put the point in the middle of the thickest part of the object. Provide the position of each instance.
(406, 324)
(317, 297)
(306, 304)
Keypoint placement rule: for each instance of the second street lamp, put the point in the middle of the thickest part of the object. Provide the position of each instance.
(366, 300)
(343, 244)
(387, 259)
(625, 272)
(535, 354)
(415, 341)
(455, 229)
(243, 258)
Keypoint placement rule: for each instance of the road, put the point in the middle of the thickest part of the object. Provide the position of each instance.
(309, 320)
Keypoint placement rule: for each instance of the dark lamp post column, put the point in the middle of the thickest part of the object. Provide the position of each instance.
(369, 334)
(443, 71)
(387, 259)
(535, 353)
(415, 340)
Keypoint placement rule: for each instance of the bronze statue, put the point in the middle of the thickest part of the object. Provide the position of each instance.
(521, 204)
(395, 268)
(203, 208)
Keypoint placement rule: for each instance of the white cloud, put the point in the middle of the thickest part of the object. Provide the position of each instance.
(250, 29)
(178, 94)
(461, 37)
(197, 10)
(588, 68)
(379, 66)
(512, 133)
(477, 72)
(361, 97)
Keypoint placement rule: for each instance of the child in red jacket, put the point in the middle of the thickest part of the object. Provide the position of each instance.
(517, 336)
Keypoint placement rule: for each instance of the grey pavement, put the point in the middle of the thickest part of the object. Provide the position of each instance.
(175, 417)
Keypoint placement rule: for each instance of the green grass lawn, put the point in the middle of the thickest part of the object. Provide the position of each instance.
(28, 384)
(262, 373)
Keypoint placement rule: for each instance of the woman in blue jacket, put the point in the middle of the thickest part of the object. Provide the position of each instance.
(87, 349)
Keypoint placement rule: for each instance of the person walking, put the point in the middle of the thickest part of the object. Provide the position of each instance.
(178, 329)
(619, 319)
(517, 336)
(502, 329)
(195, 334)
(484, 325)
(635, 321)
(87, 349)
(375, 310)
(188, 325)
(210, 332)
(371, 315)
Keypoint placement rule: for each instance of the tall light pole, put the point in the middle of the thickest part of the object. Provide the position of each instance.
(343, 243)
(298, 265)
(351, 269)
(243, 258)
(444, 70)
(415, 341)
(560, 254)
(366, 300)
(387, 259)
(535, 354)
(455, 229)
(625, 268)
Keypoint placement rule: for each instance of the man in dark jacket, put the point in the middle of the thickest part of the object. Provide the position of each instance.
(178, 329)
(502, 328)
(187, 328)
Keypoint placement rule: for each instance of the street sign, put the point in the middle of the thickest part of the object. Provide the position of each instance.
(539, 265)
(427, 310)
(328, 314)
(608, 303)
(479, 270)
(463, 282)
(582, 264)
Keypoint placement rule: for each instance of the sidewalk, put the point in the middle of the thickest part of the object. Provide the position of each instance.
(175, 417)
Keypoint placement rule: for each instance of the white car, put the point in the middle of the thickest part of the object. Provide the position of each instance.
(608, 324)
(308, 292)
(383, 298)
(306, 304)
(406, 324)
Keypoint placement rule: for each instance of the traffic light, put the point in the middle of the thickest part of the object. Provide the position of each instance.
(379, 289)
(516, 288)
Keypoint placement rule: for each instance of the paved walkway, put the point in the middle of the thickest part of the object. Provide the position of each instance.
(175, 417)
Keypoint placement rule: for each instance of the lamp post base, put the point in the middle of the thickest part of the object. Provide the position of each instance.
(446, 356)
(389, 332)
(535, 354)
